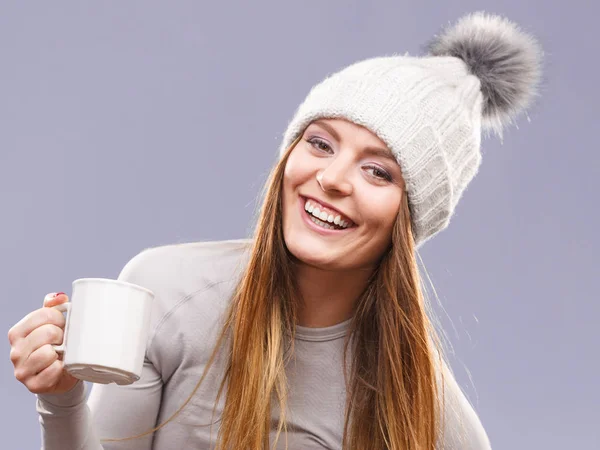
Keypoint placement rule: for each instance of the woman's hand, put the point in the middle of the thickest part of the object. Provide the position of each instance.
(37, 364)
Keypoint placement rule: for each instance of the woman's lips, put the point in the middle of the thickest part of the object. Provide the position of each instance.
(319, 229)
(330, 210)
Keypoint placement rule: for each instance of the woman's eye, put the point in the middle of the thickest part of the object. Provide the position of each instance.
(379, 173)
(320, 145)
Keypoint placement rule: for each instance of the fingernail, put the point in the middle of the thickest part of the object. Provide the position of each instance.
(59, 293)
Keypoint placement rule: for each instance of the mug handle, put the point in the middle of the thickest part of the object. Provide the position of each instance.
(63, 307)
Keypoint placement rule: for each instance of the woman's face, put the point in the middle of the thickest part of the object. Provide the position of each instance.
(345, 175)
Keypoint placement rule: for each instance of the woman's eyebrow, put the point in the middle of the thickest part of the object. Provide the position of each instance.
(380, 152)
(328, 128)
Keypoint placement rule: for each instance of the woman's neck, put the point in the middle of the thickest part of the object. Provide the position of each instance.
(329, 295)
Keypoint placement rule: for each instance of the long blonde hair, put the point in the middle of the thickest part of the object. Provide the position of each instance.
(392, 393)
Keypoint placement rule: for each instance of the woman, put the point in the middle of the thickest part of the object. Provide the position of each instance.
(314, 334)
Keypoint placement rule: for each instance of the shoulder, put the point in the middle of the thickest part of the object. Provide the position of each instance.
(461, 426)
(191, 282)
(188, 266)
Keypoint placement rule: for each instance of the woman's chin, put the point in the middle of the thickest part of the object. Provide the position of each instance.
(317, 257)
(309, 254)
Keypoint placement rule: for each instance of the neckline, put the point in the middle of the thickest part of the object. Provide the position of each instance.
(323, 333)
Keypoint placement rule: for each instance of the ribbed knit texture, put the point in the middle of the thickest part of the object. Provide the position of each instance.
(427, 110)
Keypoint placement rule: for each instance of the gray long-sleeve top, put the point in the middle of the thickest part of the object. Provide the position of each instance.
(192, 284)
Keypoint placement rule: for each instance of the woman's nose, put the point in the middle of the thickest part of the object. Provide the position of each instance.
(335, 178)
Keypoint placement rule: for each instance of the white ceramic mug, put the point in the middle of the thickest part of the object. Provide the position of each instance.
(106, 330)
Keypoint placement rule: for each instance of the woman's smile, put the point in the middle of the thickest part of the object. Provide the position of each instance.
(330, 180)
(310, 210)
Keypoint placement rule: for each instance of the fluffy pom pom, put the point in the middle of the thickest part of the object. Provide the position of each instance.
(506, 60)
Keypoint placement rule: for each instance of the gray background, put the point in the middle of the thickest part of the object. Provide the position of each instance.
(125, 125)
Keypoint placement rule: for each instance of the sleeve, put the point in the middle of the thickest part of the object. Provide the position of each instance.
(461, 427)
(111, 411)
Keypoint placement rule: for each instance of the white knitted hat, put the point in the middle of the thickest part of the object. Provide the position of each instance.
(430, 110)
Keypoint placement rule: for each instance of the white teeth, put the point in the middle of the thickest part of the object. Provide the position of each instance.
(321, 224)
(322, 218)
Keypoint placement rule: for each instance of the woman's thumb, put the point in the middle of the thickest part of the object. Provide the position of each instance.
(55, 298)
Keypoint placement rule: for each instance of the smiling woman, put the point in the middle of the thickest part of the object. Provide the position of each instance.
(334, 168)
(315, 333)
